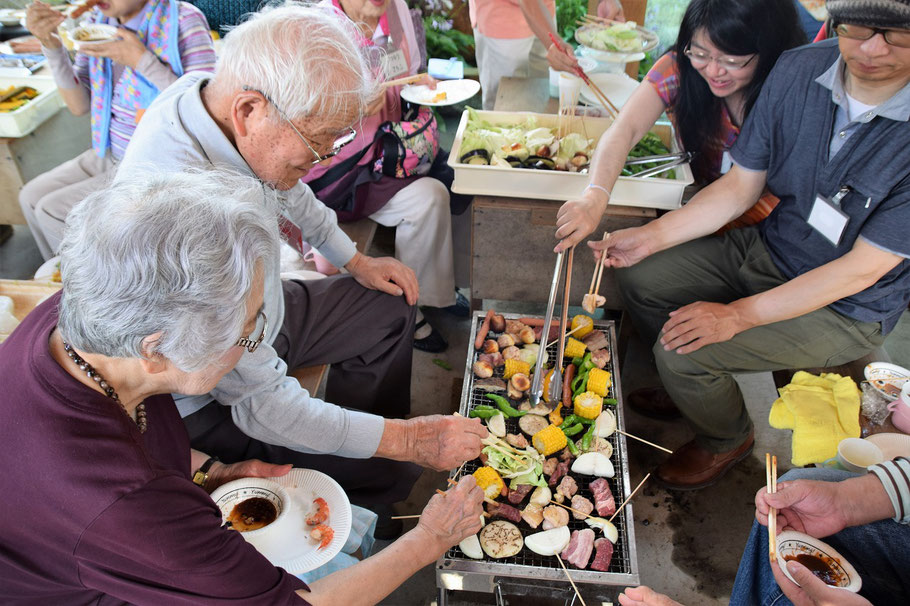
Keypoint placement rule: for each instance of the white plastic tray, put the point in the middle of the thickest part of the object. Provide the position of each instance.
(30, 116)
(649, 192)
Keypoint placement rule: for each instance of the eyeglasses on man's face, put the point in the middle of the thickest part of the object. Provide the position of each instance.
(339, 143)
(700, 59)
(894, 37)
(249, 342)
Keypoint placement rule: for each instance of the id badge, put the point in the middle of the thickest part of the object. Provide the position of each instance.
(726, 162)
(828, 219)
(394, 64)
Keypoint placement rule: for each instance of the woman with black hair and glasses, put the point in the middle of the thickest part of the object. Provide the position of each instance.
(707, 83)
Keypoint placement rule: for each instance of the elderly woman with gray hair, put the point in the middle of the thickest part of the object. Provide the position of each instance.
(162, 292)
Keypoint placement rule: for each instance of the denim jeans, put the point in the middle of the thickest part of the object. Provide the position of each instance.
(880, 552)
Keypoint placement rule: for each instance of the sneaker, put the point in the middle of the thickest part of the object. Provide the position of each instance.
(433, 342)
(461, 308)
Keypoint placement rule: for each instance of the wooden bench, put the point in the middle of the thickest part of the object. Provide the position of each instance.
(312, 378)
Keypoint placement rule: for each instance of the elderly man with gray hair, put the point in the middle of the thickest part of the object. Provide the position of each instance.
(288, 87)
(152, 303)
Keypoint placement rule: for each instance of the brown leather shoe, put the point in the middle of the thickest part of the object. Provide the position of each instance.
(654, 402)
(692, 467)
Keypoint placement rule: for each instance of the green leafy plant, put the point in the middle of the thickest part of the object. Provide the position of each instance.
(568, 12)
(444, 41)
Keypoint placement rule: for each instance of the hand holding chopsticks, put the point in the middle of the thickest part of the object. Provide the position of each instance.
(604, 100)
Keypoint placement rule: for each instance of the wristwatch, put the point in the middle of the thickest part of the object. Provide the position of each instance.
(202, 474)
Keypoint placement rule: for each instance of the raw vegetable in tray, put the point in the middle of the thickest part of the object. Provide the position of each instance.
(650, 145)
(614, 38)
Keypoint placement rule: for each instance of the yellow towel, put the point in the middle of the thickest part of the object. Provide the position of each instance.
(821, 411)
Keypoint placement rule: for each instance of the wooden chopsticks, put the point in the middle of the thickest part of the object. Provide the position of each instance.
(568, 576)
(771, 475)
(403, 80)
(629, 498)
(628, 435)
(608, 105)
(590, 301)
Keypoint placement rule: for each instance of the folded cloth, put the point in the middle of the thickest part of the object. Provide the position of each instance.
(821, 411)
(363, 525)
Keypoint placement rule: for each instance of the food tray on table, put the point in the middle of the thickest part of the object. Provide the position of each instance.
(26, 295)
(649, 192)
(22, 121)
(457, 571)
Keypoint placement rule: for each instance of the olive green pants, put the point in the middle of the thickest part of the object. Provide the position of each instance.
(722, 269)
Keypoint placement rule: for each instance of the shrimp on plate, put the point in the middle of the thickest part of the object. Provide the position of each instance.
(321, 514)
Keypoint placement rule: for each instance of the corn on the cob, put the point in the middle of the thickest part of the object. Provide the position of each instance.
(489, 481)
(574, 348)
(549, 440)
(599, 381)
(546, 385)
(555, 416)
(588, 405)
(586, 323)
(513, 366)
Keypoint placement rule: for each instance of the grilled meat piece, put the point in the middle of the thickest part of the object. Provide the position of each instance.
(562, 468)
(554, 517)
(600, 357)
(603, 497)
(517, 494)
(504, 510)
(532, 514)
(492, 385)
(567, 487)
(579, 549)
(579, 503)
(602, 555)
(517, 441)
(566, 456)
(549, 466)
(596, 339)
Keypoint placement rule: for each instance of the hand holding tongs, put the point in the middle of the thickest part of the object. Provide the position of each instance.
(555, 390)
(673, 160)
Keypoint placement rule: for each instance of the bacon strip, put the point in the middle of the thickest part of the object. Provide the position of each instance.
(579, 549)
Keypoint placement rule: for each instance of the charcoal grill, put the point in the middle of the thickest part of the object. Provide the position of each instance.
(528, 573)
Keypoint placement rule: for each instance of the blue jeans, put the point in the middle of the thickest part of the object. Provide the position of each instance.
(880, 552)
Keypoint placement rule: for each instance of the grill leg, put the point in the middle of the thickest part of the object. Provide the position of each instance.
(497, 591)
(442, 597)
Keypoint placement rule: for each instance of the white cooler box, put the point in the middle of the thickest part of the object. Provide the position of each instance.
(648, 192)
(30, 116)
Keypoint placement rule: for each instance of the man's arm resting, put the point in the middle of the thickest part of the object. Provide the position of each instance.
(857, 270)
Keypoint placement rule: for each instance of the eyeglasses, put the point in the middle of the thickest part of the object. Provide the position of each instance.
(700, 60)
(894, 37)
(251, 344)
(336, 146)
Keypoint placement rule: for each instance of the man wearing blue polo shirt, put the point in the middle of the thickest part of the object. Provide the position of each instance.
(824, 278)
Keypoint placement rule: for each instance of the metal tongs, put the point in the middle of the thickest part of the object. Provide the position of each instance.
(672, 160)
(555, 390)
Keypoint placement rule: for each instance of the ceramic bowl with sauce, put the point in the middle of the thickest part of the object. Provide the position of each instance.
(819, 557)
(259, 509)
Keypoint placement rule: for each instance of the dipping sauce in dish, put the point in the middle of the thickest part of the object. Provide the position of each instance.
(252, 514)
(817, 566)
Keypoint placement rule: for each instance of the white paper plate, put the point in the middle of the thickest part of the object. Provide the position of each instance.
(617, 87)
(105, 33)
(792, 542)
(883, 371)
(295, 551)
(892, 444)
(649, 41)
(456, 91)
(47, 269)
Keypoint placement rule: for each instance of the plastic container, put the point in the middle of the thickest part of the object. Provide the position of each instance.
(649, 192)
(30, 116)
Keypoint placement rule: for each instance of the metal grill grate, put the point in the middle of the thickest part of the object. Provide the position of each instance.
(622, 559)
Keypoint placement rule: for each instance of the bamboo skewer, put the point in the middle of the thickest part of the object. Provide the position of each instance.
(628, 435)
(581, 513)
(568, 576)
(771, 477)
(629, 498)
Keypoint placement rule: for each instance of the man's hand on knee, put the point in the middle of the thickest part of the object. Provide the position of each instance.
(385, 274)
(692, 327)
